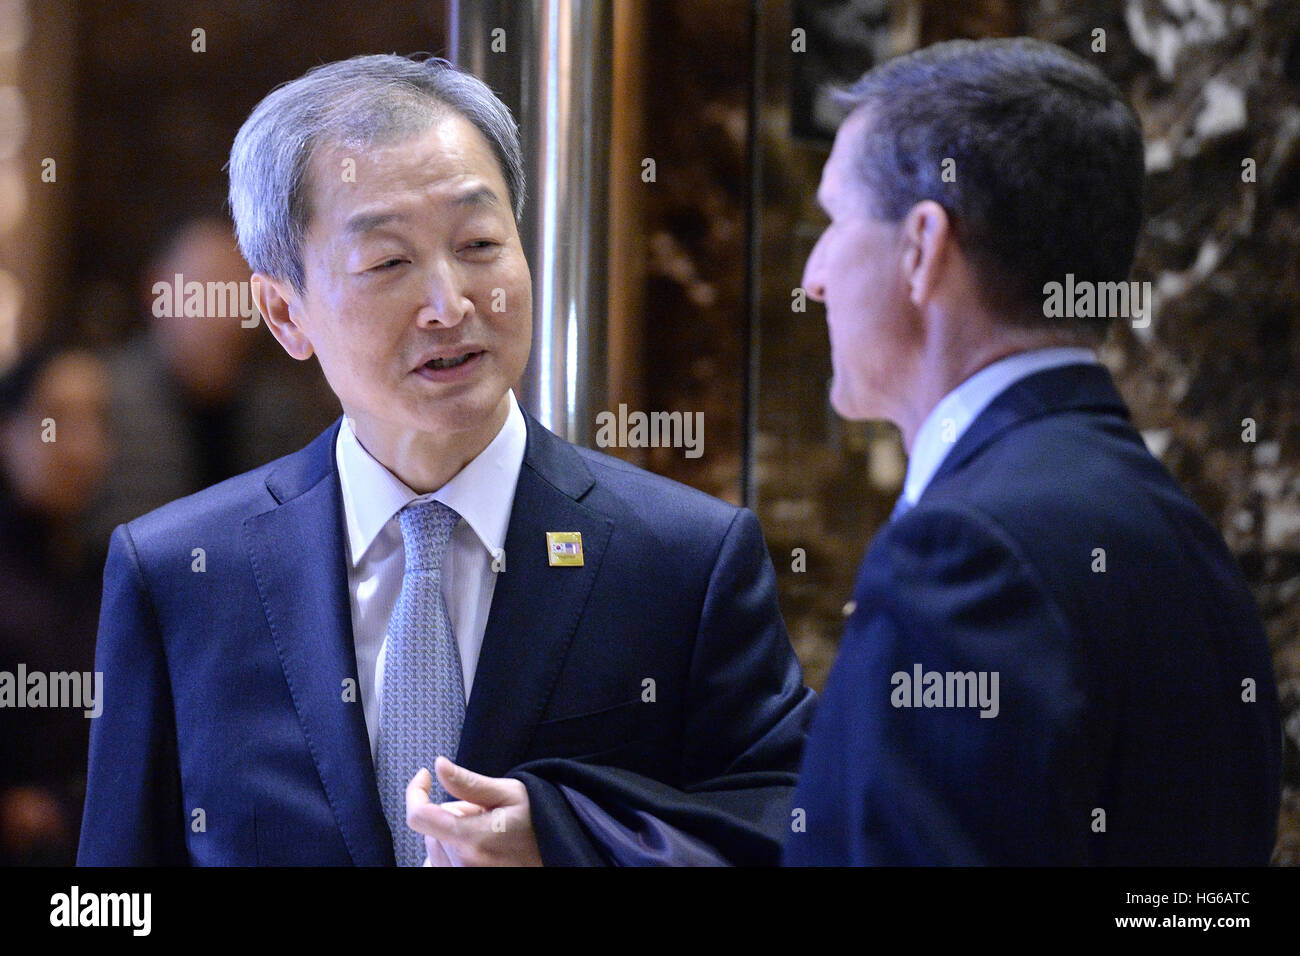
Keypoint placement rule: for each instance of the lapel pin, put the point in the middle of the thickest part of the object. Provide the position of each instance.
(564, 549)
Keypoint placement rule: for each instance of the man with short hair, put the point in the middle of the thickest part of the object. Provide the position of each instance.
(438, 634)
(1051, 658)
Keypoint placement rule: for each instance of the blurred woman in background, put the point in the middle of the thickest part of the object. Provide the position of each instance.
(54, 453)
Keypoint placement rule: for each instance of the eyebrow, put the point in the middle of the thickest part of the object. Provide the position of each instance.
(364, 222)
(479, 196)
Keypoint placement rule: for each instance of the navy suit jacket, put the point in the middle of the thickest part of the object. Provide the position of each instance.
(655, 683)
(1138, 718)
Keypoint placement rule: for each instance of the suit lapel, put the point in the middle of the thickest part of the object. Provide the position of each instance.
(298, 556)
(535, 607)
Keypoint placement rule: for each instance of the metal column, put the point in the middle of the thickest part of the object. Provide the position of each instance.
(555, 75)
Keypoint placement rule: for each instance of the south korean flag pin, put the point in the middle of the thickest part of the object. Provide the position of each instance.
(564, 549)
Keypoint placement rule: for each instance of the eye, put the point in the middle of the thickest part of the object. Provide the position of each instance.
(478, 245)
(388, 264)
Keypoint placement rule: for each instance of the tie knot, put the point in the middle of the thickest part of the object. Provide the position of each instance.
(426, 529)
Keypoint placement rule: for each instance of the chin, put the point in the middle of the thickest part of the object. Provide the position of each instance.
(845, 404)
(461, 413)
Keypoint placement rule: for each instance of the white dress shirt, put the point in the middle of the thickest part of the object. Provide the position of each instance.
(482, 493)
(949, 419)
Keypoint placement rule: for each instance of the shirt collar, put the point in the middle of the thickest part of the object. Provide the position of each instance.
(949, 419)
(482, 492)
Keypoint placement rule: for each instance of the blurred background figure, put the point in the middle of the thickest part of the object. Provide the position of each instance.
(54, 452)
(198, 398)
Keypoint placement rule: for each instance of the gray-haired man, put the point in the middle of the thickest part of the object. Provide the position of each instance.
(437, 575)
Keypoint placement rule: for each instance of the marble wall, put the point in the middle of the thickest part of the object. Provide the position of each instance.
(1213, 382)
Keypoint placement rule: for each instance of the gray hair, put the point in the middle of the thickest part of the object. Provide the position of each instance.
(364, 101)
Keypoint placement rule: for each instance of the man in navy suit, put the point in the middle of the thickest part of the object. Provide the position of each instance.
(625, 686)
(1051, 657)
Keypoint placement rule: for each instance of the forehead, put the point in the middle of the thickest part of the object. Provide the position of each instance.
(439, 163)
(841, 184)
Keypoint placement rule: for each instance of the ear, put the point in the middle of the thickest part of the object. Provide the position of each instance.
(928, 247)
(282, 311)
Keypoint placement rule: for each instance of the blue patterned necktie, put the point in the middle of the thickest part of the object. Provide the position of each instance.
(423, 707)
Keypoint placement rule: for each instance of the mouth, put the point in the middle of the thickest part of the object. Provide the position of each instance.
(449, 366)
(453, 362)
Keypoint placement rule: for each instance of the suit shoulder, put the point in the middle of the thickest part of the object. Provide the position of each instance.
(1062, 470)
(221, 507)
(655, 497)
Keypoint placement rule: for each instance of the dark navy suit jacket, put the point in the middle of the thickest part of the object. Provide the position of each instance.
(649, 700)
(1127, 730)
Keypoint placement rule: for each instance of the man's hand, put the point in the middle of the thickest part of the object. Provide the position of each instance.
(489, 825)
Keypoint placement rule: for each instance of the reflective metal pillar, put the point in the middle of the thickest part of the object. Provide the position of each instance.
(555, 75)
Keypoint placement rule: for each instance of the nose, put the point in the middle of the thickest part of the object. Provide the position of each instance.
(813, 284)
(446, 303)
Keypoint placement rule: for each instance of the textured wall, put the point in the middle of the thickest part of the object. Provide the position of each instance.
(696, 130)
(1217, 89)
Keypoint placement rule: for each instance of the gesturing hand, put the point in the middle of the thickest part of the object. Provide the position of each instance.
(488, 825)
